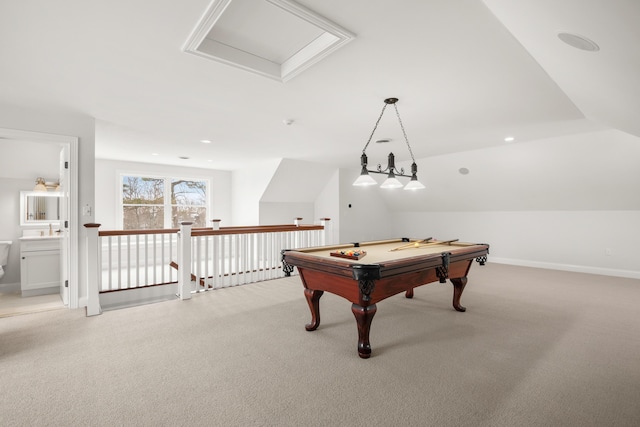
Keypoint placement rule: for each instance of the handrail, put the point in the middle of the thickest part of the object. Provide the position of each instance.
(208, 231)
(103, 233)
(254, 229)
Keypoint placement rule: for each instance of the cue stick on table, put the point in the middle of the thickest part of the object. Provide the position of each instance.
(412, 244)
(420, 244)
(444, 242)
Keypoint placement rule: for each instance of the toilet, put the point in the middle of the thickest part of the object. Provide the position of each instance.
(5, 245)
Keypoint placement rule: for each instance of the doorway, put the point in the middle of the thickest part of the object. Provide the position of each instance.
(66, 166)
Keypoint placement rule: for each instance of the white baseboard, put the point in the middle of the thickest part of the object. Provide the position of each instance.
(568, 267)
(10, 287)
(138, 296)
(43, 291)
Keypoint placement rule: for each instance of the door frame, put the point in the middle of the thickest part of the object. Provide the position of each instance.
(71, 142)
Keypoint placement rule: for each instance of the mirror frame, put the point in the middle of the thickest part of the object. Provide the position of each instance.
(23, 211)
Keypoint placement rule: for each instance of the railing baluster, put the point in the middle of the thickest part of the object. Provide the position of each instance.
(245, 258)
(137, 263)
(254, 264)
(195, 264)
(168, 274)
(223, 260)
(215, 257)
(145, 254)
(128, 262)
(119, 263)
(155, 260)
(163, 258)
(274, 248)
(236, 258)
(109, 268)
(207, 269)
(267, 254)
(260, 255)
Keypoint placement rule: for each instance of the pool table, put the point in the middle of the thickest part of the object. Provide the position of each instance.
(366, 273)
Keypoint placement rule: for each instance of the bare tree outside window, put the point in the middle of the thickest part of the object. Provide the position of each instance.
(188, 202)
(145, 205)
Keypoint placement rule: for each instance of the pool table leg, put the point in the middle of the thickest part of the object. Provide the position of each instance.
(313, 299)
(458, 286)
(364, 316)
(409, 293)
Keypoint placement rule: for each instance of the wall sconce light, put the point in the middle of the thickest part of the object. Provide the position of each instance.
(40, 185)
(391, 171)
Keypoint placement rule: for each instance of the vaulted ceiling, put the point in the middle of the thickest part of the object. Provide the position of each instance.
(468, 73)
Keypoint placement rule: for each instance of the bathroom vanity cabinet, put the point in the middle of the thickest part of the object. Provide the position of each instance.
(39, 265)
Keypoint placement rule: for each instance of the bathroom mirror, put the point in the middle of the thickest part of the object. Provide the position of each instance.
(39, 207)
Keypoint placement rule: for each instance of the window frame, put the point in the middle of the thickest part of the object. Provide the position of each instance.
(167, 205)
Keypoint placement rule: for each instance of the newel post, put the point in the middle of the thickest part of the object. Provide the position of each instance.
(297, 221)
(184, 260)
(215, 224)
(328, 230)
(93, 270)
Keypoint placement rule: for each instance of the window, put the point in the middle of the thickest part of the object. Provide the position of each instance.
(188, 202)
(162, 202)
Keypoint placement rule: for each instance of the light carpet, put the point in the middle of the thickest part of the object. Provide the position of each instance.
(535, 348)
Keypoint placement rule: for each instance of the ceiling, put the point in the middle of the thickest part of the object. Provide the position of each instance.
(468, 73)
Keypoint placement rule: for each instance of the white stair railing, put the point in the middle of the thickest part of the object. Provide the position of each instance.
(233, 256)
(125, 260)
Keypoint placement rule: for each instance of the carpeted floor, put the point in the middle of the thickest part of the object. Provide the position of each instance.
(13, 304)
(535, 348)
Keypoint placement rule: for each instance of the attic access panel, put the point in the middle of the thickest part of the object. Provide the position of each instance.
(274, 38)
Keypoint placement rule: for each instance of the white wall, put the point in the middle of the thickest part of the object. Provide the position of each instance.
(293, 191)
(562, 240)
(285, 213)
(108, 187)
(364, 215)
(588, 171)
(327, 205)
(247, 187)
(297, 181)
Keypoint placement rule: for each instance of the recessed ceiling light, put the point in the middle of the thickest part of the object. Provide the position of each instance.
(463, 171)
(383, 141)
(205, 141)
(579, 42)
(287, 121)
(183, 157)
(155, 154)
(509, 139)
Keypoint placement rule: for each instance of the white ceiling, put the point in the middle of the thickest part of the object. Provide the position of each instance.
(467, 73)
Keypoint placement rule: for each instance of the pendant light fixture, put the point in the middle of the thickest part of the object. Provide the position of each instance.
(391, 171)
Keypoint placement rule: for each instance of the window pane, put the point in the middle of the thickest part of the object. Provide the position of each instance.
(137, 190)
(197, 215)
(143, 217)
(188, 193)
